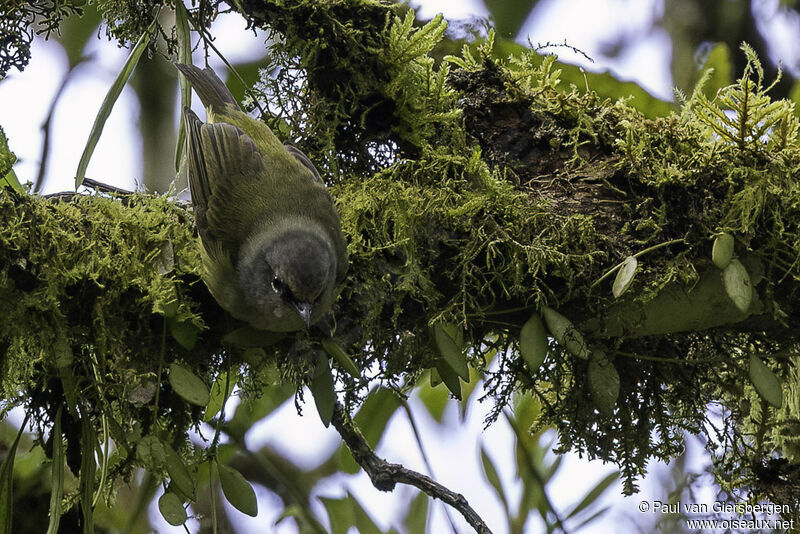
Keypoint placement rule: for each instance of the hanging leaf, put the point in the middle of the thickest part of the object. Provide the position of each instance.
(449, 377)
(322, 389)
(57, 474)
(337, 353)
(766, 383)
(110, 100)
(238, 490)
(449, 341)
(737, 285)
(416, 518)
(565, 333)
(722, 250)
(603, 383)
(625, 276)
(188, 385)
(7, 483)
(490, 471)
(171, 508)
(180, 478)
(594, 494)
(533, 342)
(185, 57)
(87, 473)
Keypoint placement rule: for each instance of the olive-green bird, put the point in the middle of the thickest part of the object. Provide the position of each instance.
(272, 245)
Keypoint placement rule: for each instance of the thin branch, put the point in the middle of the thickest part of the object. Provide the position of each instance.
(428, 466)
(386, 476)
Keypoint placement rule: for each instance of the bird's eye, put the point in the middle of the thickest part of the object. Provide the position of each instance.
(278, 286)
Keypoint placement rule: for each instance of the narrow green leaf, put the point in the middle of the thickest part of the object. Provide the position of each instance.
(550, 470)
(110, 100)
(7, 483)
(591, 518)
(416, 519)
(322, 389)
(364, 523)
(449, 377)
(220, 392)
(341, 357)
(594, 494)
(64, 357)
(180, 478)
(185, 57)
(722, 250)
(533, 342)
(625, 276)
(87, 472)
(449, 341)
(603, 383)
(490, 472)
(57, 475)
(171, 508)
(565, 333)
(340, 514)
(737, 285)
(766, 383)
(238, 490)
(188, 385)
(434, 398)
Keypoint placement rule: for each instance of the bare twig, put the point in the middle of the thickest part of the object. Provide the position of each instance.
(385, 476)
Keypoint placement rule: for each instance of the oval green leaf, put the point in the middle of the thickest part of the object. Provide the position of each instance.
(722, 251)
(565, 333)
(321, 387)
(171, 508)
(449, 341)
(737, 285)
(184, 332)
(188, 385)
(533, 342)
(337, 353)
(238, 490)
(180, 478)
(603, 383)
(625, 276)
(766, 383)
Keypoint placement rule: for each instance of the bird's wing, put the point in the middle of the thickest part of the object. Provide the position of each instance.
(302, 158)
(225, 167)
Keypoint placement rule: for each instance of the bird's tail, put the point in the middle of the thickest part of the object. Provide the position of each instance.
(208, 86)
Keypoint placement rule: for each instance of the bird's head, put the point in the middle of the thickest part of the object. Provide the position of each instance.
(297, 271)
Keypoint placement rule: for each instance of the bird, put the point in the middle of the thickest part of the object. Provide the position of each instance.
(272, 246)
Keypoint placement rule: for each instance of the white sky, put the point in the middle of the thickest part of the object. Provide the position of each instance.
(24, 100)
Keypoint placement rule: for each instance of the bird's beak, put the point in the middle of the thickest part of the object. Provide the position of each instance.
(304, 309)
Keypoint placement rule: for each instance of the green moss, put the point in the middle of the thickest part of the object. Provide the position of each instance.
(473, 190)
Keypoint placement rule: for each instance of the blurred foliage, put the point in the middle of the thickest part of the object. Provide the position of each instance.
(478, 188)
